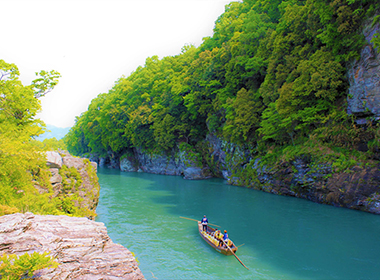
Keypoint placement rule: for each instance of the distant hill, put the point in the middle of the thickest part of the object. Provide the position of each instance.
(57, 132)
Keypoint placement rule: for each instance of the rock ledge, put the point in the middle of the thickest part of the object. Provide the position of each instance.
(81, 246)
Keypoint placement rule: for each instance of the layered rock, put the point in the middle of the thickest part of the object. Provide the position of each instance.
(82, 247)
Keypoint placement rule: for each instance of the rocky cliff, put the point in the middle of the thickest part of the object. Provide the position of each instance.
(182, 161)
(364, 78)
(81, 247)
(75, 182)
(356, 188)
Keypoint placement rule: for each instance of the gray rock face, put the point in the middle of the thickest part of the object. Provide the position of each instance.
(364, 78)
(128, 165)
(176, 163)
(114, 161)
(81, 246)
(196, 173)
(218, 155)
(102, 162)
(158, 164)
(77, 163)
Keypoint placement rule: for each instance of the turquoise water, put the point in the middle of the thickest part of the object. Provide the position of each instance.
(283, 237)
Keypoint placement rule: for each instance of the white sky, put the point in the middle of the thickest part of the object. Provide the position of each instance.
(93, 43)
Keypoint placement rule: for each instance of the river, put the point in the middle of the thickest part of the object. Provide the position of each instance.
(282, 237)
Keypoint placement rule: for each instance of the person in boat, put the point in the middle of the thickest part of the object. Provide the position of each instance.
(221, 244)
(215, 241)
(204, 222)
(225, 236)
(218, 235)
(226, 239)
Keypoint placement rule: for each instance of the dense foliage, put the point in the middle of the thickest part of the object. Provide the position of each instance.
(50, 144)
(273, 73)
(23, 169)
(14, 267)
(22, 164)
(24, 176)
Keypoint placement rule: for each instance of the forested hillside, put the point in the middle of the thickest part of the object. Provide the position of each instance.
(272, 77)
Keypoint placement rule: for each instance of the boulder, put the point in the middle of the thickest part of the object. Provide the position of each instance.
(55, 177)
(54, 160)
(196, 173)
(82, 247)
(75, 162)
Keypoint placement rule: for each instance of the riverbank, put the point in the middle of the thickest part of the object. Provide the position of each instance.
(319, 174)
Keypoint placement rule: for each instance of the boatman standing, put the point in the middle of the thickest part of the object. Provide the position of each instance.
(204, 222)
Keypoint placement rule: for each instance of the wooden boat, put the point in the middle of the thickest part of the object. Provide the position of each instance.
(213, 242)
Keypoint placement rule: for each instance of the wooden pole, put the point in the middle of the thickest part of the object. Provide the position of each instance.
(189, 219)
(198, 221)
(234, 254)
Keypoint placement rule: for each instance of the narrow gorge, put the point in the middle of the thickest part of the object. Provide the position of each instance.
(304, 175)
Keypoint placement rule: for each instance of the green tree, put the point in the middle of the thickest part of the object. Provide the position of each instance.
(243, 117)
(22, 164)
